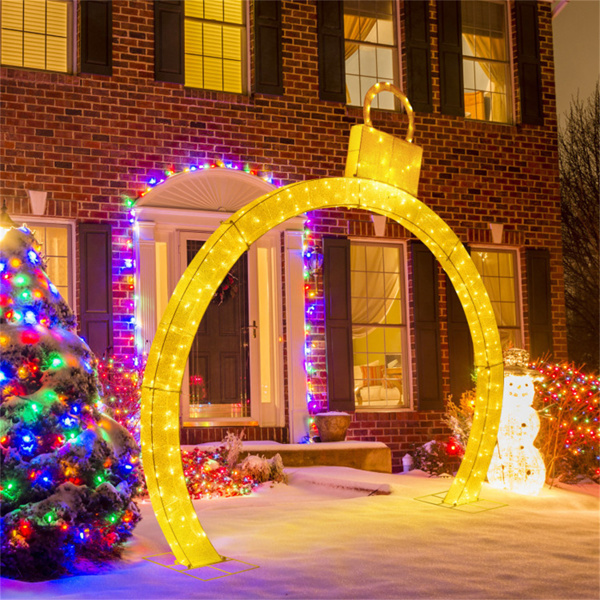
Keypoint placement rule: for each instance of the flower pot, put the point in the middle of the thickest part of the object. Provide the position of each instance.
(332, 426)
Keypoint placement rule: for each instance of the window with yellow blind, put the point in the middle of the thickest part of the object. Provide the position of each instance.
(35, 34)
(214, 44)
(486, 64)
(498, 269)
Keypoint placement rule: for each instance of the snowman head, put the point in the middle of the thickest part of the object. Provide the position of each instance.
(518, 389)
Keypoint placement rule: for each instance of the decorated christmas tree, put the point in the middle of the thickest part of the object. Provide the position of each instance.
(68, 472)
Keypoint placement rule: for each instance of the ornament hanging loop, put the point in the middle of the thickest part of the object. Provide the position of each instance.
(388, 87)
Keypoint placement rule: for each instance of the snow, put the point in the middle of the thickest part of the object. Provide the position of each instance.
(336, 532)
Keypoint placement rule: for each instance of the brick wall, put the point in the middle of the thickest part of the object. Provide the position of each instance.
(89, 139)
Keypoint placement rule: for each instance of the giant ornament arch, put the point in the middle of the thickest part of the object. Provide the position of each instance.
(171, 346)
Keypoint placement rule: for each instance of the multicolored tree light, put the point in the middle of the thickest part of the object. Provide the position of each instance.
(68, 472)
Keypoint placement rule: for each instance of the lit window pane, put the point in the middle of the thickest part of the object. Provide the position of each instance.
(393, 340)
(35, 16)
(193, 71)
(213, 40)
(357, 258)
(367, 60)
(393, 314)
(12, 48)
(352, 60)
(507, 290)
(385, 64)
(193, 38)
(385, 32)
(56, 54)
(234, 11)
(232, 77)
(194, 8)
(509, 314)
(232, 43)
(56, 19)
(35, 51)
(213, 73)
(56, 241)
(213, 9)
(12, 14)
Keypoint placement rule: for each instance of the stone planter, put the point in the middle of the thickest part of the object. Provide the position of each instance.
(332, 426)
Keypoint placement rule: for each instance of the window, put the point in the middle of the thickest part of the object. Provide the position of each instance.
(486, 66)
(56, 240)
(370, 49)
(35, 34)
(214, 39)
(498, 269)
(378, 325)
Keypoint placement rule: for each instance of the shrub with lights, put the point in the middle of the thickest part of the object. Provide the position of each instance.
(68, 472)
(567, 402)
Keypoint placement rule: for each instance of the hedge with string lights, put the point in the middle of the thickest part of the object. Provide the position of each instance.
(68, 473)
(567, 401)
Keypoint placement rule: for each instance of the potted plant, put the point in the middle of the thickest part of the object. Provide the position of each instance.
(332, 425)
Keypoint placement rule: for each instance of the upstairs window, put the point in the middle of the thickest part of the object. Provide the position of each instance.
(371, 52)
(214, 42)
(35, 34)
(486, 64)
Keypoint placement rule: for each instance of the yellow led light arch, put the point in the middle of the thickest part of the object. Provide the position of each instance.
(170, 348)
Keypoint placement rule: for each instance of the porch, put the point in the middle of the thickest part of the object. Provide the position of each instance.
(367, 456)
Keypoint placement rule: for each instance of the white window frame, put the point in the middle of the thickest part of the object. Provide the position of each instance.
(397, 77)
(407, 377)
(31, 221)
(72, 13)
(516, 251)
(510, 96)
(245, 67)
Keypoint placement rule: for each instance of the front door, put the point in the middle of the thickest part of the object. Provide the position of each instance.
(219, 359)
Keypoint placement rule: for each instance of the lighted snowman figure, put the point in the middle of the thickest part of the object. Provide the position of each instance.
(517, 465)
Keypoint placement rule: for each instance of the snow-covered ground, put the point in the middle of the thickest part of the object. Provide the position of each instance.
(328, 534)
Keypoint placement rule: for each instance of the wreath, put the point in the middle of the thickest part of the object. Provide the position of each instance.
(228, 289)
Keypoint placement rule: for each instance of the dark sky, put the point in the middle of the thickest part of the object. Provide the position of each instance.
(576, 50)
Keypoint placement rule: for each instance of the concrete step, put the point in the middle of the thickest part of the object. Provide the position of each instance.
(367, 456)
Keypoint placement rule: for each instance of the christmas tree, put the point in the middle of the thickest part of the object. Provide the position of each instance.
(68, 472)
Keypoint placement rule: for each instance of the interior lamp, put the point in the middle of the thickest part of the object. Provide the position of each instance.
(517, 465)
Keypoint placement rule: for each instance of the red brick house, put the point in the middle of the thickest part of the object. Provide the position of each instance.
(103, 100)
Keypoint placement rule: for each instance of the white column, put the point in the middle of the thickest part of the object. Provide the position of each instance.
(294, 293)
(145, 285)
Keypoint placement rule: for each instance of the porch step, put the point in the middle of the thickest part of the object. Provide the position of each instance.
(367, 456)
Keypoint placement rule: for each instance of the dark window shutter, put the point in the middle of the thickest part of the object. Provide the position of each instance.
(427, 330)
(338, 324)
(418, 55)
(95, 263)
(450, 55)
(168, 41)
(540, 308)
(332, 65)
(528, 61)
(267, 35)
(460, 345)
(96, 37)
